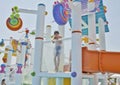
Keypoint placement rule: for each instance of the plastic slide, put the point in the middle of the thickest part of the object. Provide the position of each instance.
(100, 61)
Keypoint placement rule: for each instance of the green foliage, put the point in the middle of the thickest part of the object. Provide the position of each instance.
(32, 33)
(11, 16)
(15, 7)
(33, 74)
(15, 13)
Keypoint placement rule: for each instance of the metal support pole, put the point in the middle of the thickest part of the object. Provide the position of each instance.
(62, 32)
(76, 67)
(102, 34)
(38, 44)
(91, 27)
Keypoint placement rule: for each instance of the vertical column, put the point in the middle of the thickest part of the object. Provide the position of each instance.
(118, 81)
(48, 32)
(9, 56)
(62, 32)
(96, 79)
(76, 67)
(92, 33)
(21, 59)
(102, 42)
(102, 34)
(91, 81)
(38, 44)
(48, 37)
(8, 65)
(59, 81)
(91, 27)
(105, 79)
(32, 56)
(28, 53)
(20, 63)
(45, 81)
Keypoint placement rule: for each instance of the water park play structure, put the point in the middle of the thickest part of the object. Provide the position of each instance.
(89, 65)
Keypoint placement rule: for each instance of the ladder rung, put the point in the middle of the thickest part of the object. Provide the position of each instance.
(55, 75)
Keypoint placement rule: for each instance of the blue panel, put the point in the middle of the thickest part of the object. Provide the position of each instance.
(100, 14)
(85, 19)
(85, 31)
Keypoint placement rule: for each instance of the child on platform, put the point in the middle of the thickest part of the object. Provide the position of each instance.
(58, 45)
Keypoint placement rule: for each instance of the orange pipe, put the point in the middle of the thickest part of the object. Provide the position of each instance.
(100, 61)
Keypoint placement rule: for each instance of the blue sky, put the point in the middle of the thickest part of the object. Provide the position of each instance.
(113, 17)
(113, 12)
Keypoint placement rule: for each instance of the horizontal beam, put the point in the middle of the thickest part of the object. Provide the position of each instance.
(48, 41)
(62, 75)
(28, 11)
(55, 75)
(84, 27)
(88, 13)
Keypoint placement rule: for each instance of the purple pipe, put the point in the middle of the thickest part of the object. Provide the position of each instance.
(19, 70)
(2, 68)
